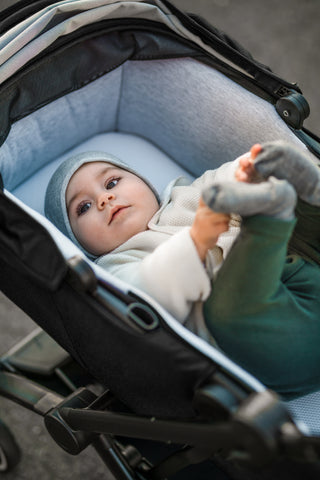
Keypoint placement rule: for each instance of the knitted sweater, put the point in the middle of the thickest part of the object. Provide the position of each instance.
(163, 260)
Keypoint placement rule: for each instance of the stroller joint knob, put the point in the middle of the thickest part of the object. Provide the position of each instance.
(294, 109)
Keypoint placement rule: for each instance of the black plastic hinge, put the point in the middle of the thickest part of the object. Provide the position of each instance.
(292, 107)
(73, 442)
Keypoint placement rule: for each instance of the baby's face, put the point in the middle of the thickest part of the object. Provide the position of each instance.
(107, 205)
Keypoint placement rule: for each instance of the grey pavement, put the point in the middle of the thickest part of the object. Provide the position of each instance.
(282, 34)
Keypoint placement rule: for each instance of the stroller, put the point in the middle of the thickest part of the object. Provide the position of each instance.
(158, 88)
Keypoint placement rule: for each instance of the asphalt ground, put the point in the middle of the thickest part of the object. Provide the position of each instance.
(284, 35)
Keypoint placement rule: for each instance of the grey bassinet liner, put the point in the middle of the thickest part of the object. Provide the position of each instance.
(204, 122)
(135, 151)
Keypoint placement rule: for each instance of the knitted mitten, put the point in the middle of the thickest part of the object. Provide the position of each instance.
(285, 161)
(275, 198)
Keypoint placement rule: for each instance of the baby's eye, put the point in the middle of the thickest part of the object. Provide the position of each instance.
(83, 208)
(112, 183)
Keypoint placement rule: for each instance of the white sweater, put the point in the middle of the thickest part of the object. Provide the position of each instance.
(163, 260)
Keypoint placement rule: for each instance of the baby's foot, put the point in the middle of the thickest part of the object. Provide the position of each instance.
(275, 198)
(286, 161)
(246, 171)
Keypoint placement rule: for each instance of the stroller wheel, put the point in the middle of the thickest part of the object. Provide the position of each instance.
(10, 452)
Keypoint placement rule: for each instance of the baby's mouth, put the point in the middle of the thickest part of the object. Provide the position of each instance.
(115, 211)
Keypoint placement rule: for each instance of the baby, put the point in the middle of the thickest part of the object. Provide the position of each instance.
(233, 284)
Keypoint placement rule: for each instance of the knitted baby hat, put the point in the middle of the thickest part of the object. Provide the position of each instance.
(55, 198)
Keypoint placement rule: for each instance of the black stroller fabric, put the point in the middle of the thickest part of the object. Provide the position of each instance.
(67, 316)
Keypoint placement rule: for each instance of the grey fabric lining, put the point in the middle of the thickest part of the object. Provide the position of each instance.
(196, 115)
(44, 135)
(116, 123)
(305, 409)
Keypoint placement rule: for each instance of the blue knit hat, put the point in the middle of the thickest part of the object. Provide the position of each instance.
(55, 200)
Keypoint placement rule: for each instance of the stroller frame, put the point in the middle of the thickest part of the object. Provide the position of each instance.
(255, 433)
(251, 430)
(245, 421)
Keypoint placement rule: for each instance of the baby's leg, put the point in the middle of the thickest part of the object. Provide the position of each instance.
(305, 239)
(285, 161)
(264, 309)
(275, 198)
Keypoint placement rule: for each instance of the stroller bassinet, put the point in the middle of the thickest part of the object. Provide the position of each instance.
(160, 89)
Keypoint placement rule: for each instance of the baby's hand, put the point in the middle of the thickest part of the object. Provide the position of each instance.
(246, 171)
(206, 228)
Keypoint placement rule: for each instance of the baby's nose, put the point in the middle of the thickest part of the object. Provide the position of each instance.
(104, 199)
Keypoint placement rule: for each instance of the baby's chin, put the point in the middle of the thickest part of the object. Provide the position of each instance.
(99, 251)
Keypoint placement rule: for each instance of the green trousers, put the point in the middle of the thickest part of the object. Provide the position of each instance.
(264, 309)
